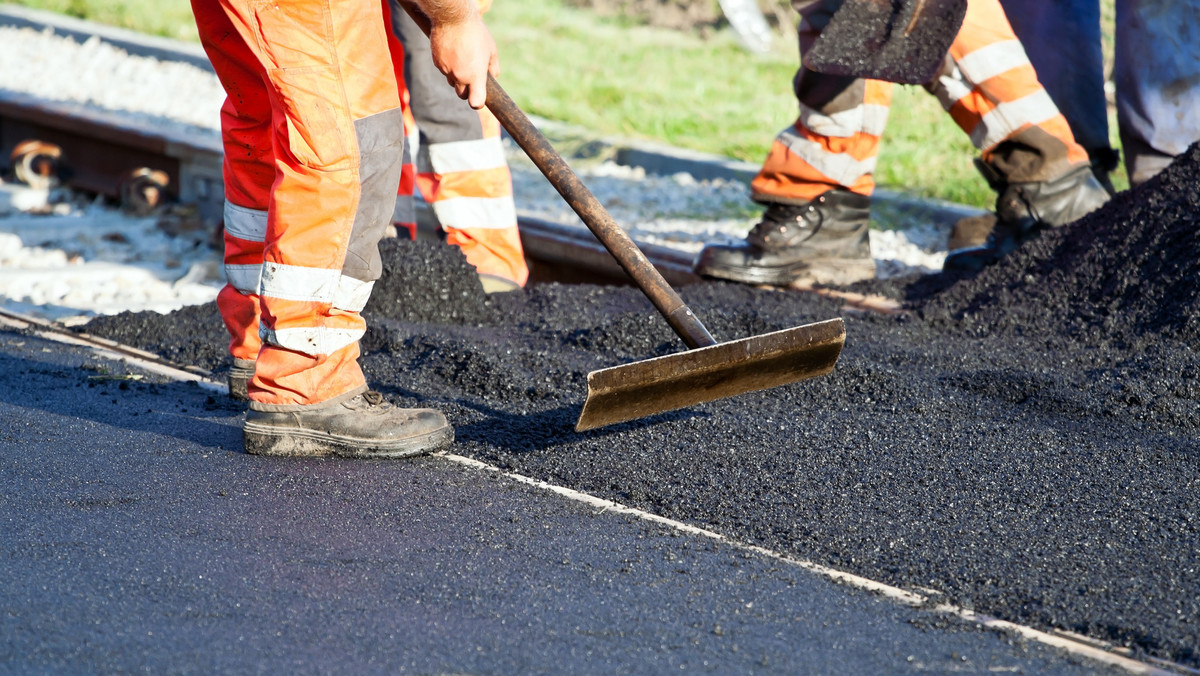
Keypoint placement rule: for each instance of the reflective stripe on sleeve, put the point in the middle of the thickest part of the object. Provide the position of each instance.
(243, 223)
(838, 167)
(477, 155)
(952, 88)
(292, 282)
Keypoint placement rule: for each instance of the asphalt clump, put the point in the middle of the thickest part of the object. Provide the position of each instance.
(1024, 441)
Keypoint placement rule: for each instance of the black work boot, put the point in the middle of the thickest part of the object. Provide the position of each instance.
(239, 379)
(359, 424)
(823, 241)
(1024, 210)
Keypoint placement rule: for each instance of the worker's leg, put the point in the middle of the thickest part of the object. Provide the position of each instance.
(404, 215)
(249, 173)
(991, 90)
(461, 168)
(816, 181)
(1042, 176)
(1062, 41)
(335, 141)
(1157, 73)
(834, 142)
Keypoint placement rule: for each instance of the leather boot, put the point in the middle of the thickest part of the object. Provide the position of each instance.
(1024, 210)
(823, 241)
(359, 424)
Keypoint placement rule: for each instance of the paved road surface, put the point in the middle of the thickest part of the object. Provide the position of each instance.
(137, 536)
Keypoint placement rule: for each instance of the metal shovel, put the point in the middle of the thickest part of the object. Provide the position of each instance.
(708, 370)
(902, 41)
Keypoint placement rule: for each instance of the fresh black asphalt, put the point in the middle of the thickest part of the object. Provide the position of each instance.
(137, 537)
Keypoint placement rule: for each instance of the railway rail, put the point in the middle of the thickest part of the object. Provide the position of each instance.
(140, 167)
(102, 153)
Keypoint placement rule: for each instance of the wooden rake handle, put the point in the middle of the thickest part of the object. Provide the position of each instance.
(589, 209)
(596, 217)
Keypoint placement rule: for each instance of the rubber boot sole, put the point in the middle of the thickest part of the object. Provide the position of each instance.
(829, 271)
(294, 442)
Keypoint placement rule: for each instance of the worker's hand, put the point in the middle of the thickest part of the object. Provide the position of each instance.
(465, 52)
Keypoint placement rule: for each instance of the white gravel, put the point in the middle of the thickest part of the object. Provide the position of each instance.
(70, 261)
(85, 259)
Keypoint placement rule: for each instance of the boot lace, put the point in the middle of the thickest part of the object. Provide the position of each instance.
(780, 223)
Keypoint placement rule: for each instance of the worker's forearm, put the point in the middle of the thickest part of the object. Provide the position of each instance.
(448, 12)
(461, 45)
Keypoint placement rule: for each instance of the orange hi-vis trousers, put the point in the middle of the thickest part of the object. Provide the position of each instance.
(458, 163)
(986, 84)
(312, 129)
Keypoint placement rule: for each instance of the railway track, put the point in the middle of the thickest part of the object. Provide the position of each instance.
(142, 165)
(103, 154)
(108, 155)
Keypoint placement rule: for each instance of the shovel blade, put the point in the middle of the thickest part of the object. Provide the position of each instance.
(903, 41)
(676, 381)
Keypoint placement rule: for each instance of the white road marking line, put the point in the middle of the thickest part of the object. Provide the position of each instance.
(903, 596)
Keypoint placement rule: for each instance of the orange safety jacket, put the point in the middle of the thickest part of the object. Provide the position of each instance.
(458, 163)
(312, 129)
(986, 84)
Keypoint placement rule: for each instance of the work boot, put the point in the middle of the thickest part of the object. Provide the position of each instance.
(360, 424)
(239, 378)
(823, 241)
(1024, 210)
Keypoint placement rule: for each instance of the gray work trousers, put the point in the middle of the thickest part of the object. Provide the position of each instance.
(1156, 70)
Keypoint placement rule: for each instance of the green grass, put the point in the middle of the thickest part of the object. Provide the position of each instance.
(708, 95)
(620, 79)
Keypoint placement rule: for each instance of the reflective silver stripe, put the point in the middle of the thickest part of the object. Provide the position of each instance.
(839, 167)
(244, 278)
(952, 88)
(352, 294)
(412, 142)
(477, 155)
(316, 285)
(868, 118)
(995, 59)
(310, 340)
(243, 223)
(492, 213)
(1008, 118)
(291, 282)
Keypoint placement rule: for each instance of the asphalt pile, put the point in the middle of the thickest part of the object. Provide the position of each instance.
(1127, 273)
(1026, 441)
